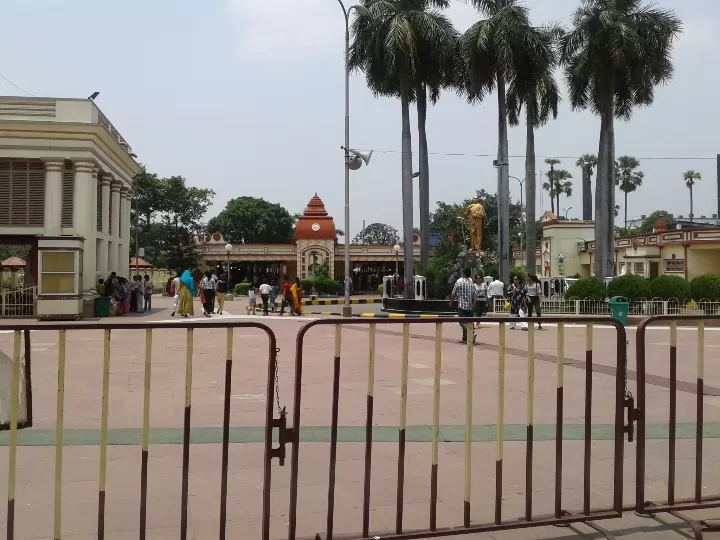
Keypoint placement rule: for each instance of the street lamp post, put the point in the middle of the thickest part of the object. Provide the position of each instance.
(362, 11)
(396, 250)
(566, 212)
(228, 248)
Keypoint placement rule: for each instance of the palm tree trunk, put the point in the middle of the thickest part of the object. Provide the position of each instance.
(557, 199)
(691, 203)
(605, 216)
(503, 185)
(530, 225)
(587, 193)
(626, 209)
(407, 193)
(424, 184)
(552, 189)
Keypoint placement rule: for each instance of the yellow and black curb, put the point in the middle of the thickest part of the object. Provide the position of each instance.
(341, 301)
(384, 315)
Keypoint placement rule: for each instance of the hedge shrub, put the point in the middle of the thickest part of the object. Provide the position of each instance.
(242, 288)
(380, 290)
(307, 286)
(326, 286)
(671, 288)
(518, 272)
(586, 289)
(631, 287)
(706, 287)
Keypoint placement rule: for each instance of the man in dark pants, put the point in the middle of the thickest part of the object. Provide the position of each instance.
(265, 290)
(287, 297)
(464, 293)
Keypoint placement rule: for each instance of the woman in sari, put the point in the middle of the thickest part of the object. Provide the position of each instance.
(296, 291)
(186, 295)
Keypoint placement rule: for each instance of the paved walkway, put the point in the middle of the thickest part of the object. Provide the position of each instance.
(82, 416)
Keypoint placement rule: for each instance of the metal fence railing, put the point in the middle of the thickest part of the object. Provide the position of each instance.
(18, 303)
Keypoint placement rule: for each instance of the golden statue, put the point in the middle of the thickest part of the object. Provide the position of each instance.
(476, 214)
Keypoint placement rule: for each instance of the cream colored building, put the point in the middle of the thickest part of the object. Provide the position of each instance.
(65, 188)
(686, 252)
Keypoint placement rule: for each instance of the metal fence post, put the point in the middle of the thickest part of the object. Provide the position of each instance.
(577, 307)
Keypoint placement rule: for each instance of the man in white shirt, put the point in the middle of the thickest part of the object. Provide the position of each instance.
(496, 288)
(149, 286)
(265, 295)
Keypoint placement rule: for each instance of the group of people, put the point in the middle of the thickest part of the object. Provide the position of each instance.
(211, 287)
(476, 298)
(268, 292)
(127, 296)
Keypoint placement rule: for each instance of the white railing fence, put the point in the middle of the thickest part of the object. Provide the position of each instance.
(18, 303)
(641, 307)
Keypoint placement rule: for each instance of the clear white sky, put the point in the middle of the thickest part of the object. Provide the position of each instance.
(246, 97)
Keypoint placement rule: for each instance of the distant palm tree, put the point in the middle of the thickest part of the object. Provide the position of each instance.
(627, 178)
(492, 52)
(615, 55)
(550, 185)
(690, 177)
(535, 89)
(558, 183)
(390, 45)
(587, 162)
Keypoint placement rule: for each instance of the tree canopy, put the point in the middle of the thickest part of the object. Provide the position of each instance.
(166, 214)
(377, 234)
(250, 220)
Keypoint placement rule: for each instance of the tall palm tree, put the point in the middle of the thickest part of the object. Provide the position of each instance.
(558, 183)
(627, 178)
(690, 177)
(538, 92)
(493, 52)
(615, 55)
(434, 72)
(550, 185)
(388, 46)
(587, 162)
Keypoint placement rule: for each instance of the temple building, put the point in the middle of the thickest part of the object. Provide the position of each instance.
(66, 178)
(315, 243)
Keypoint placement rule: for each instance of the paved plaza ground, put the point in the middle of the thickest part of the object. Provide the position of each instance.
(82, 417)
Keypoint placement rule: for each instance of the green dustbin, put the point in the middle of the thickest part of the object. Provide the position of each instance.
(619, 309)
(102, 306)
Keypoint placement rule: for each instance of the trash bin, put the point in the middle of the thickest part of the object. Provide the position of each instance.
(619, 309)
(102, 306)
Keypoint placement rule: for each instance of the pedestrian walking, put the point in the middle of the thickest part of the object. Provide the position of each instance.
(208, 293)
(533, 291)
(516, 292)
(265, 290)
(287, 297)
(273, 295)
(221, 289)
(480, 298)
(148, 289)
(464, 293)
(175, 291)
(496, 289)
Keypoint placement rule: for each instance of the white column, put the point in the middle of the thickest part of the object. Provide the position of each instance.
(102, 255)
(115, 220)
(85, 221)
(53, 196)
(124, 230)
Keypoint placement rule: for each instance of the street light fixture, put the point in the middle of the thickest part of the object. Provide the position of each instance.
(396, 251)
(351, 161)
(566, 212)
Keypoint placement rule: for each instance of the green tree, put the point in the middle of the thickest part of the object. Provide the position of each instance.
(648, 224)
(587, 162)
(390, 46)
(627, 178)
(250, 220)
(493, 52)
(166, 215)
(690, 177)
(377, 234)
(614, 56)
(535, 89)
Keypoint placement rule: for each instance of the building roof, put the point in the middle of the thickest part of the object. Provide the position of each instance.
(136, 262)
(13, 261)
(315, 223)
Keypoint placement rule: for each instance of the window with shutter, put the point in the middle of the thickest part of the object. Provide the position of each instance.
(4, 193)
(68, 196)
(99, 206)
(22, 193)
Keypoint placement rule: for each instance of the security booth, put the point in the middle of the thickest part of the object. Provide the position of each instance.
(24, 386)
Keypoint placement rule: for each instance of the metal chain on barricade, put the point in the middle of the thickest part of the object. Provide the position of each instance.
(281, 410)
